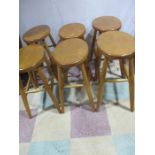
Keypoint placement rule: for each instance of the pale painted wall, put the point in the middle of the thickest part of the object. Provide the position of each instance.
(56, 13)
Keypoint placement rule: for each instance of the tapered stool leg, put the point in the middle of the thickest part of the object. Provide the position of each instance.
(24, 97)
(47, 49)
(87, 86)
(48, 89)
(122, 68)
(50, 72)
(89, 75)
(65, 74)
(48, 65)
(131, 83)
(52, 40)
(97, 65)
(93, 44)
(61, 88)
(33, 77)
(101, 84)
(52, 65)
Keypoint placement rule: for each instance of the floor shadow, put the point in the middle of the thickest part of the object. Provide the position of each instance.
(116, 93)
(112, 103)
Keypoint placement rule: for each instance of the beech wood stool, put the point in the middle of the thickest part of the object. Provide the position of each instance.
(68, 31)
(69, 53)
(116, 45)
(100, 25)
(37, 35)
(30, 60)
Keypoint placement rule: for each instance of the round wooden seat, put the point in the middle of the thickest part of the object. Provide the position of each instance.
(36, 33)
(70, 52)
(30, 57)
(73, 30)
(116, 44)
(106, 23)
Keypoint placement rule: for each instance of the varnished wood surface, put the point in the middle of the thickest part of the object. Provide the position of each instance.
(36, 33)
(30, 57)
(73, 30)
(131, 83)
(116, 44)
(70, 52)
(61, 88)
(106, 23)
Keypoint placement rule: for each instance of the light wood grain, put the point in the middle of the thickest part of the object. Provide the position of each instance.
(30, 57)
(73, 30)
(106, 23)
(70, 52)
(36, 33)
(116, 44)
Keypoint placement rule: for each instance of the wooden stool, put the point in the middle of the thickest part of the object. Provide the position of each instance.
(37, 35)
(68, 31)
(116, 45)
(30, 60)
(100, 25)
(69, 53)
(73, 30)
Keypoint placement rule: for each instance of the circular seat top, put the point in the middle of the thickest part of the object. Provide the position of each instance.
(30, 57)
(106, 23)
(73, 30)
(116, 44)
(36, 33)
(70, 52)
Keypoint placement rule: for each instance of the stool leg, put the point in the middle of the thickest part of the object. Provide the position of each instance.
(33, 79)
(93, 44)
(24, 97)
(97, 65)
(102, 81)
(47, 49)
(89, 75)
(131, 83)
(134, 62)
(50, 72)
(87, 86)
(49, 55)
(48, 89)
(122, 68)
(65, 73)
(61, 88)
(48, 65)
(52, 40)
